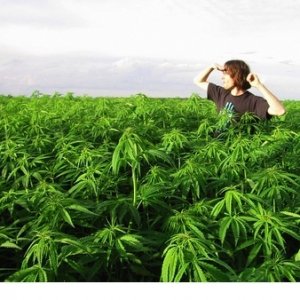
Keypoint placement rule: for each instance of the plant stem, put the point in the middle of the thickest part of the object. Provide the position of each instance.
(134, 182)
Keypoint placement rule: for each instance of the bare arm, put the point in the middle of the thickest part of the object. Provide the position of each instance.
(201, 79)
(276, 108)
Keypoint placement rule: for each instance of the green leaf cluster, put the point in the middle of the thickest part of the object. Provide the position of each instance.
(143, 189)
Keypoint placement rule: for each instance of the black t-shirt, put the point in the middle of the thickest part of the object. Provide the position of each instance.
(246, 102)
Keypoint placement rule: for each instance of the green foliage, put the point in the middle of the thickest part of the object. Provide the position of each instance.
(142, 189)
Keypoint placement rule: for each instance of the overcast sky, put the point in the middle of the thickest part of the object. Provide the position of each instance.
(155, 47)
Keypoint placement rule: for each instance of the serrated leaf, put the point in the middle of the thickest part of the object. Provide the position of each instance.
(253, 253)
(235, 227)
(66, 216)
(72, 242)
(217, 274)
(180, 272)
(245, 245)
(297, 256)
(131, 240)
(290, 214)
(228, 202)
(81, 209)
(169, 265)
(278, 236)
(11, 245)
(225, 223)
(217, 208)
(198, 273)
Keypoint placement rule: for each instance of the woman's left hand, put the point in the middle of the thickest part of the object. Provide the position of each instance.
(253, 80)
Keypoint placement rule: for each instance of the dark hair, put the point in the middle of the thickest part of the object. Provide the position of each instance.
(238, 70)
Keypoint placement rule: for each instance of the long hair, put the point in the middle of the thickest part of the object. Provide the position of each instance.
(238, 70)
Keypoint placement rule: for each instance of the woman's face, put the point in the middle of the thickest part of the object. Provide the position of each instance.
(228, 82)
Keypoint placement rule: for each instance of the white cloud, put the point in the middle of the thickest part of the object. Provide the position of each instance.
(95, 75)
(156, 46)
(34, 13)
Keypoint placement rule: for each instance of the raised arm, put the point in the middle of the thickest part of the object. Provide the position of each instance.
(276, 108)
(201, 79)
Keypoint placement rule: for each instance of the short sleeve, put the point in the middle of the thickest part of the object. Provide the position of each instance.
(261, 108)
(214, 92)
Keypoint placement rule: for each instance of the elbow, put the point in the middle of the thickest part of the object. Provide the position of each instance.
(281, 111)
(277, 112)
(196, 81)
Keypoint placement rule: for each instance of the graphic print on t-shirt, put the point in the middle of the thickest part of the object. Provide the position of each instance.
(226, 115)
(230, 109)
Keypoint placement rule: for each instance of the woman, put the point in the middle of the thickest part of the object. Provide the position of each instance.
(237, 79)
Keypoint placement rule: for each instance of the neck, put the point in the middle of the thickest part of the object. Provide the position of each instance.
(237, 92)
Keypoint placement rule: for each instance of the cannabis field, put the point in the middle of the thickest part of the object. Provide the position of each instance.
(140, 189)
